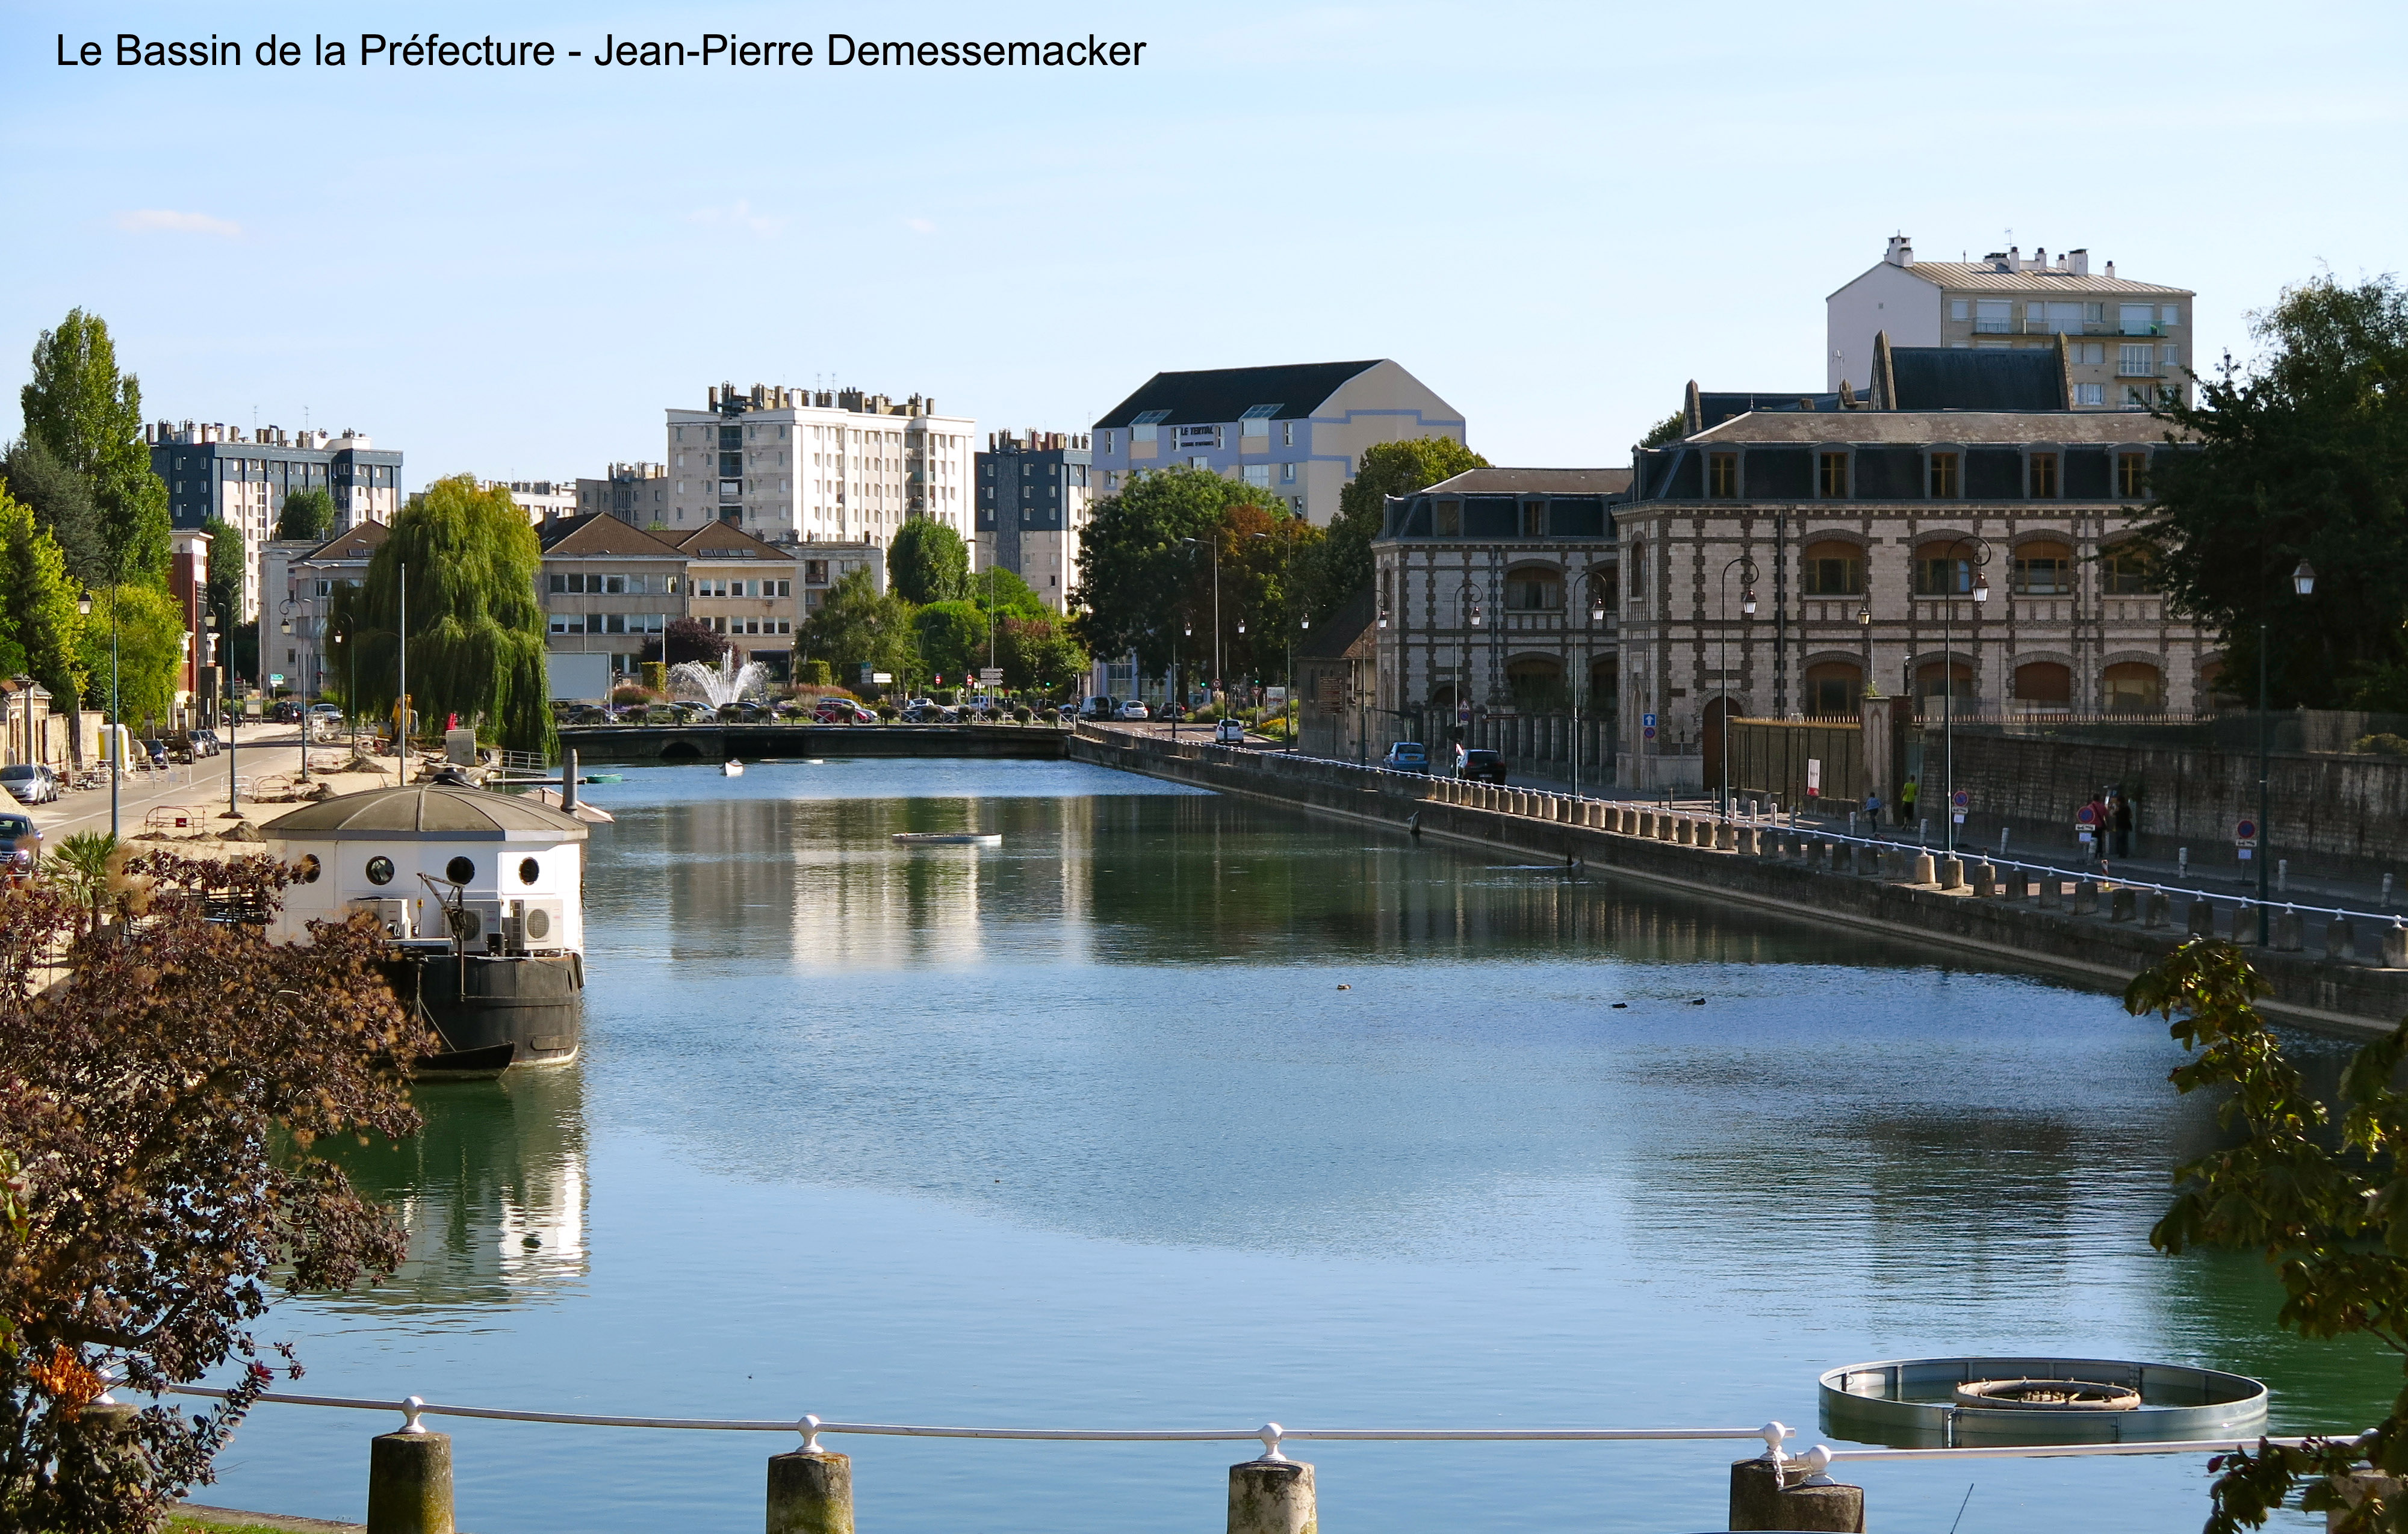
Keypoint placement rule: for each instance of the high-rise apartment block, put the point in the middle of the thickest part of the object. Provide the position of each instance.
(2128, 344)
(1033, 495)
(799, 465)
(1299, 431)
(636, 493)
(215, 471)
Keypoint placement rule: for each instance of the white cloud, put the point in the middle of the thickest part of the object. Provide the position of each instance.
(920, 226)
(739, 216)
(145, 221)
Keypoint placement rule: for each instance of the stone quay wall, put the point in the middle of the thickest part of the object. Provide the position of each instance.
(2347, 979)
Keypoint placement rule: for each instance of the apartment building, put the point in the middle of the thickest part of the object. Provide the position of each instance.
(819, 566)
(300, 578)
(743, 586)
(1299, 431)
(2128, 343)
(799, 465)
(214, 470)
(543, 500)
(636, 493)
(608, 589)
(1034, 492)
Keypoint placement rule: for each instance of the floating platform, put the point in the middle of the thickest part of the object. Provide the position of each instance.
(1913, 1403)
(949, 838)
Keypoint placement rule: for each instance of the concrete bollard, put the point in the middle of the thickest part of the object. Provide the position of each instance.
(1949, 872)
(2086, 898)
(1684, 832)
(1664, 819)
(1643, 824)
(1725, 837)
(2122, 903)
(409, 1483)
(2395, 947)
(1924, 872)
(2290, 936)
(810, 1492)
(1985, 880)
(1271, 1497)
(1751, 842)
(2341, 942)
(2052, 891)
(1759, 1499)
(1867, 860)
(2200, 921)
(2156, 910)
(2244, 925)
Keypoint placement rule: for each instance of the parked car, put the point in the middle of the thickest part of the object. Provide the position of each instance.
(1098, 706)
(206, 742)
(29, 783)
(1134, 709)
(154, 749)
(20, 845)
(843, 711)
(1406, 756)
(1229, 732)
(1483, 766)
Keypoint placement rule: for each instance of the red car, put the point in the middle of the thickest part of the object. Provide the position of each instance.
(841, 711)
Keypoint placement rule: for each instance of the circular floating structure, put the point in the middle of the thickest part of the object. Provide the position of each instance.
(1941, 1402)
(949, 838)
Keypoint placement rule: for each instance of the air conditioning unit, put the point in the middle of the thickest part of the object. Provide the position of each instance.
(538, 926)
(393, 916)
(476, 923)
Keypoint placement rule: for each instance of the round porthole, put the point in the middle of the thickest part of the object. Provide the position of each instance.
(529, 871)
(379, 871)
(306, 871)
(460, 870)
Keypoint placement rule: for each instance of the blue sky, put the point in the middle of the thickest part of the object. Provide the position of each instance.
(1554, 215)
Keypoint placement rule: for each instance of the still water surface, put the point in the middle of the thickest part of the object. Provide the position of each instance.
(1175, 1111)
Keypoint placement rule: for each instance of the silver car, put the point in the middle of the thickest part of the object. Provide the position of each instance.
(29, 783)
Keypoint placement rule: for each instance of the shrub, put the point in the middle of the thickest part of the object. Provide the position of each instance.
(886, 712)
(1020, 715)
(816, 673)
(2382, 745)
(945, 697)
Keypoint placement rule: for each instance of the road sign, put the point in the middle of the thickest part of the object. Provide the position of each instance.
(274, 678)
(1647, 726)
(1962, 799)
(2246, 833)
(2086, 817)
(990, 677)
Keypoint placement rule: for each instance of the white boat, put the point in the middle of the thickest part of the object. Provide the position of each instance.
(731, 768)
(949, 838)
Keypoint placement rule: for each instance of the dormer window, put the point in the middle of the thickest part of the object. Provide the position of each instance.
(1256, 422)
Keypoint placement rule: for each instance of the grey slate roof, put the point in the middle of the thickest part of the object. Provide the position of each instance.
(427, 812)
(1986, 277)
(1975, 378)
(2113, 427)
(1504, 481)
(1223, 394)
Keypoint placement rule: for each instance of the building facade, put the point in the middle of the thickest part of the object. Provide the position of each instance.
(300, 581)
(608, 589)
(1034, 492)
(743, 587)
(1298, 430)
(636, 493)
(541, 499)
(2128, 343)
(799, 466)
(819, 566)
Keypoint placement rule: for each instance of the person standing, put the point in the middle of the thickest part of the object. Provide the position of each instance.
(1906, 801)
(2121, 813)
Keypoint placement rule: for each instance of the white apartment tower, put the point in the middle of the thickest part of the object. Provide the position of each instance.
(2127, 343)
(799, 465)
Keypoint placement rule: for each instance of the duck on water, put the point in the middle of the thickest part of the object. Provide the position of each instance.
(482, 895)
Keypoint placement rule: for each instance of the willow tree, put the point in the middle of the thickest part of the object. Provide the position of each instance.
(476, 646)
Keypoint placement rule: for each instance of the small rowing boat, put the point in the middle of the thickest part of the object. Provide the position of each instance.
(949, 838)
(731, 768)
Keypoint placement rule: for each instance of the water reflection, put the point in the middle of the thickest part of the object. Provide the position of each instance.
(492, 1193)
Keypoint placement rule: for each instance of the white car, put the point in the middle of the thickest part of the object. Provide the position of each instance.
(1229, 732)
(1097, 706)
(1135, 710)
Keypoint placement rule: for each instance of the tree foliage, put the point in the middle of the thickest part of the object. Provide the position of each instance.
(685, 639)
(63, 506)
(475, 633)
(40, 632)
(133, 650)
(928, 562)
(1036, 652)
(309, 514)
(2302, 456)
(951, 638)
(2329, 1211)
(163, 1103)
(1004, 593)
(1146, 564)
(1342, 565)
(1672, 428)
(856, 626)
(90, 418)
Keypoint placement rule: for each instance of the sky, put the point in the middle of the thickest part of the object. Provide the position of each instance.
(1555, 215)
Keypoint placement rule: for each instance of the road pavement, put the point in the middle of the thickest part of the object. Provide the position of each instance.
(260, 751)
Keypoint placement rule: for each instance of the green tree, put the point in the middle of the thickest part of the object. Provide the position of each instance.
(90, 417)
(1672, 428)
(928, 562)
(855, 626)
(1002, 591)
(62, 504)
(1140, 576)
(148, 647)
(476, 631)
(1341, 567)
(308, 514)
(1036, 652)
(238, 641)
(2302, 456)
(2329, 1211)
(40, 630)
(952, 637)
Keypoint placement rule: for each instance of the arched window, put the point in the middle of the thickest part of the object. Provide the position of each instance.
(1537, 684)
(1834, 569)
(2044, 570)
(1605, 685)
(2129, 570)
(1833, 687)
(1958, 680)
(1942, 570)
(2041, 685)
(2134, 687)
(1534, 588)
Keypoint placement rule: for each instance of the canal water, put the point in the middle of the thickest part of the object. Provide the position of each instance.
(1178, 1111)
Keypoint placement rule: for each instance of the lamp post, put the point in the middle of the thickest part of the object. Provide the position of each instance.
(2304, 582)
(1362, 716)
(1595, 581)
(1947, 660)
(1746, 610)
(284, 626)
(115, 754)
(1467, 618)
(1287, 600)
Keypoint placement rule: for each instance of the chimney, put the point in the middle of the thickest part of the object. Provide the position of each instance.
(2039, 258)
(2111, 271)
(714, 396)
(1901, 251)
(2014, 258)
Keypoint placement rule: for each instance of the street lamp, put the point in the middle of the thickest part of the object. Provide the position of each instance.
(2303, 584)
(116, 739)
(1746, 610)
(285, 627)
(1947, 659)
(1467, 610)
(1595, 584)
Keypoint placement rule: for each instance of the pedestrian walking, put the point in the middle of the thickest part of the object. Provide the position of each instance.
(2122, 812)
(1872, 805)
(1906, 800)
(2094, 822)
